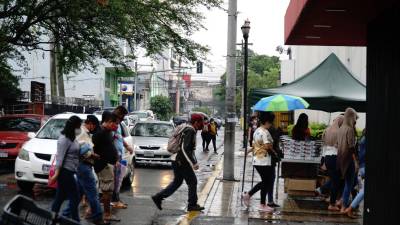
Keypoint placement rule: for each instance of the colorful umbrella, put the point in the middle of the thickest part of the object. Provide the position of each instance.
(280, 103)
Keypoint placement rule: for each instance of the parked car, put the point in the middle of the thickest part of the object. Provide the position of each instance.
(151, 140)
(15, 131)
(144, 115)
(178, 120)
(33, 162)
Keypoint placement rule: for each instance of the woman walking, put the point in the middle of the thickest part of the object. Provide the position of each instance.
(346, 158)
(262, 150)
(330, 155)
(67, 161)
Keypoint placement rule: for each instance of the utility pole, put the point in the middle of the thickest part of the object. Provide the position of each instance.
(60, 77)
(53, 71)
(134, 93)
(229, 142)
(178, 94)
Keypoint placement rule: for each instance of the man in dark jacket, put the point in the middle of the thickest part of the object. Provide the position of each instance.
(184, 163)
(108, 156)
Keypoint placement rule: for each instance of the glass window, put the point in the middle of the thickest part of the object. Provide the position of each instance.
(52, 129)
(152, 130)
(20, 124)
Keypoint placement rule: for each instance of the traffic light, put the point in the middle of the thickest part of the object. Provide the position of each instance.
(199, 67)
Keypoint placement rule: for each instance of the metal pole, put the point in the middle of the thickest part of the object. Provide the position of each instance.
(246, 60)
(230, 103)
(134, 93)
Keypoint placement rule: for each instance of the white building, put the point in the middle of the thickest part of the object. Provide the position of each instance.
(306, 58)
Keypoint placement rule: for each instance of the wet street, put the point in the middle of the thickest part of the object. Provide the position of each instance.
(149, 179)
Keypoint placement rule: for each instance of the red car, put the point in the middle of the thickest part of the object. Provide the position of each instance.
(14, 131)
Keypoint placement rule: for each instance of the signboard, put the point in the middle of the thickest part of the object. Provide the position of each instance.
(125, 88)
(38, 92)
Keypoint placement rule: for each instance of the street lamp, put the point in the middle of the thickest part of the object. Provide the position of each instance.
(245, 30)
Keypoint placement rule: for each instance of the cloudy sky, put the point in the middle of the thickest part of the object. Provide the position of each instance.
(267, 20)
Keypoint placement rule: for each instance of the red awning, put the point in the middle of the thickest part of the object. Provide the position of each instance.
(327, 22)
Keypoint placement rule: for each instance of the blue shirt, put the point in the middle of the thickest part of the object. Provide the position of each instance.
(119, 142)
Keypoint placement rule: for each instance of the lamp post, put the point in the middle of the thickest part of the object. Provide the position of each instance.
(245, 30)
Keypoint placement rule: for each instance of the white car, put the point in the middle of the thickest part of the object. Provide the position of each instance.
(143, 115)
(33, 162)
(151, 140)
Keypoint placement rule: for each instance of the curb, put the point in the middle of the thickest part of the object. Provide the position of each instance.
(189, 216)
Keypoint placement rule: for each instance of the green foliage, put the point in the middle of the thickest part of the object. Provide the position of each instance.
(202, 109)
(161, 106)
(88, 30)
(263, 72)
(9, 90)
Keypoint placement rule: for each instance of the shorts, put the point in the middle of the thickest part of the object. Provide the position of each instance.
(106, 179)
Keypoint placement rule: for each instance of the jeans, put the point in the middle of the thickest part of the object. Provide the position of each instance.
(265, 184)
(214, 141)
(67, 188)
(271, 186)
(181, 173)
(348, 184)
(360, 196)
(117, 187)
(87, 186)
(334, 175)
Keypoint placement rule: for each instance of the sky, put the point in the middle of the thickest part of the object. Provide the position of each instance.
(266, 33)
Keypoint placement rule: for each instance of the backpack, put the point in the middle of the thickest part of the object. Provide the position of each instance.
(213, 129)
(175, 141)
(205, 129)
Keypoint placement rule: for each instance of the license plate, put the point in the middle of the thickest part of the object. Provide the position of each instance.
(3, 154)
(148, 154)
(45, 168)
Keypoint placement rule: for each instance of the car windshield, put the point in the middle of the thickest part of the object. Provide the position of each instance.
(141, 115)
(52, 129)
(20, 124)
(152, 130)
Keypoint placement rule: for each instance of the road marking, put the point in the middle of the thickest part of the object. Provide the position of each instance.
(189, 216)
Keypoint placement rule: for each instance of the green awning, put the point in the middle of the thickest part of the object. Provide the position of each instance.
(329, 87)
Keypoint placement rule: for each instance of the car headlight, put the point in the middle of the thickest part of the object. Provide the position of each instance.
(23, 154)
(135, 147)
(164, 147)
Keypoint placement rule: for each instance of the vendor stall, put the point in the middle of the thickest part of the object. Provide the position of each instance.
(300, 165)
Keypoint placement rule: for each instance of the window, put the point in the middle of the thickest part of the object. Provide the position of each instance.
(20, 124)
(152, 130)
(52, 129)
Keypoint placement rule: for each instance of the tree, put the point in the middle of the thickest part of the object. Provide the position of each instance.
(9, 90)
(161, 106)
(202, 109)
(88, 30)
(263, 72)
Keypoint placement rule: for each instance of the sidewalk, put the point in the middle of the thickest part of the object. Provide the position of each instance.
(223, 205)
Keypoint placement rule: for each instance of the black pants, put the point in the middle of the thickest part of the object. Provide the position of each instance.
(181, 173)
(266, 184)
(271, 186)
(334, 176)
(206, 140)
(214, 141)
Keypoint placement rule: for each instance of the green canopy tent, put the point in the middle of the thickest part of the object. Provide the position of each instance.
(329, 87)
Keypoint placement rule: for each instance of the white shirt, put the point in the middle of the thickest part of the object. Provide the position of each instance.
(262, 135)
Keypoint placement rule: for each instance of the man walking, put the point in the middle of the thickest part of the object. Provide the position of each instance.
(184, 163)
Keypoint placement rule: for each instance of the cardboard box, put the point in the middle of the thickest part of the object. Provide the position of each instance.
(301, 193)
(301, 184)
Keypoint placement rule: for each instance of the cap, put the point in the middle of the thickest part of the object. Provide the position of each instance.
(196, 117)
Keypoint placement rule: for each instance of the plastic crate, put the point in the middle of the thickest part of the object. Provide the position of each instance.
(21, 210)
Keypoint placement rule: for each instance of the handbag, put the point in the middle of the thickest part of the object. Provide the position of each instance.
(52, 170)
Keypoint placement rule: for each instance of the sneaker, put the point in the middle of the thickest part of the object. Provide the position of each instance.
(273, 205)
(196, 207)
(157, 202)
(246, 199)
(265, 208)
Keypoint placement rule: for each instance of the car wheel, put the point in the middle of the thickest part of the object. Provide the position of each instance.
(25, 186)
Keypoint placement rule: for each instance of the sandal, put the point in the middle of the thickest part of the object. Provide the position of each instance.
(111, 218)
(119, 205)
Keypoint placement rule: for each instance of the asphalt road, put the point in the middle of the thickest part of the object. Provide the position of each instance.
(149, 179)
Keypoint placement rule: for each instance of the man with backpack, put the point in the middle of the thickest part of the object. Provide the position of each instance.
(184, 162)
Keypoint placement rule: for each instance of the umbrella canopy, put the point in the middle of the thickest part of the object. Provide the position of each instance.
(281, 103)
